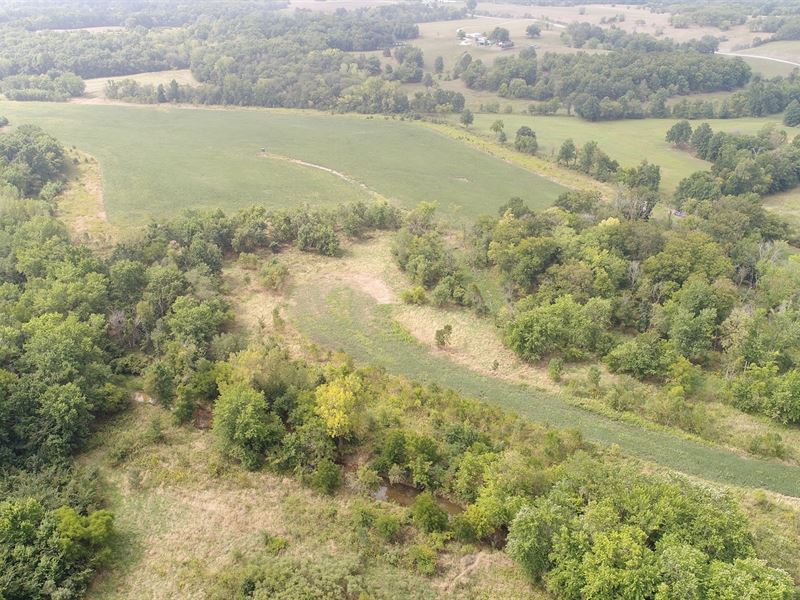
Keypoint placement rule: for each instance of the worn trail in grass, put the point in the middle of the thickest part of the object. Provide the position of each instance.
(341, 318)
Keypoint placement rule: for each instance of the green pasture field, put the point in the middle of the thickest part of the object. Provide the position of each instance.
(786, 204)
(345, 319)
(157, 161)
(628, 141)
(785, 50)
(768, 68)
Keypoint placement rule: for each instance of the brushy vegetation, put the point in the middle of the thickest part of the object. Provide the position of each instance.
(421, 252)
(541, 483)
(342, 318)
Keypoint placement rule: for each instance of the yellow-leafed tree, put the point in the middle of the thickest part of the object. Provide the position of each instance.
(337, 404)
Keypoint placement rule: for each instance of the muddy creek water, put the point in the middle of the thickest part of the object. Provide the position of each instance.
(404, 495)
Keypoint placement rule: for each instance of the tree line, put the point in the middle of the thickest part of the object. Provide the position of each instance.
(33, 15)
(55, 86)
(605, 86)
(585, 35)
(53, 380)
(90, 54)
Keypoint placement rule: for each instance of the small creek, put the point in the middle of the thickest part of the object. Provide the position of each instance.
(401, 494)
(404, 495)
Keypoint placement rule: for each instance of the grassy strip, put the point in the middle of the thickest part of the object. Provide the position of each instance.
(347, 320)
(545, 168)
(627, 141)
(81, 205)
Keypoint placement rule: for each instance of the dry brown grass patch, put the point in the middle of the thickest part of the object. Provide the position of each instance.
(184, 515)
(81, 205)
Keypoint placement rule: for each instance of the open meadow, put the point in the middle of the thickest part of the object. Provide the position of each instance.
(627, 141)
(158, 161)
(787, 204)
(95, 88)
(788, 50)
(766, 67)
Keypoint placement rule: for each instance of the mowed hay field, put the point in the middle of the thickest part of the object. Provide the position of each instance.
(788, 50)
(439, 38)
(786, 204)
(95, 88)
(767, 67)
(627, 141)
(157, 161)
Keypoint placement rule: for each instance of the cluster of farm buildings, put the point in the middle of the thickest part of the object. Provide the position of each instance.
(480, 39)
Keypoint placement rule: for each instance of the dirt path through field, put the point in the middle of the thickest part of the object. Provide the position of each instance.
(742, 55)
(297, 161)
(343, 176)
(473, 564)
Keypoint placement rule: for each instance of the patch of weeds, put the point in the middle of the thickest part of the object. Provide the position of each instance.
(388, 527)
(423, 559)
(327, 477)
(273, 545)
(769, 445)
(414, 295)
(215, 467)
(154, 434)
(123, 449)
(135, 478)
(555, 368)
(131, 443)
